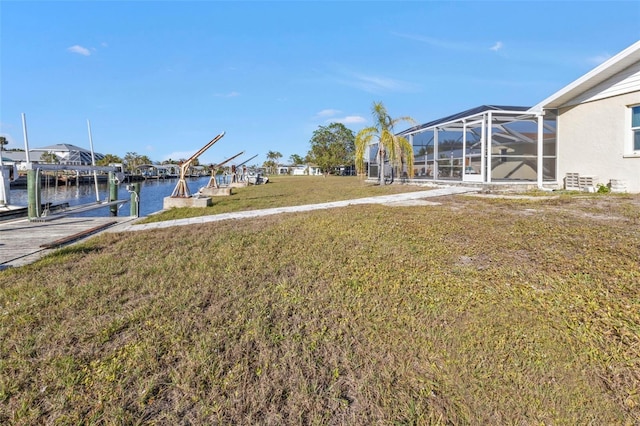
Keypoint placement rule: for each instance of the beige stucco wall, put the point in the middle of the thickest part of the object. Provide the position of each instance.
(592, 138)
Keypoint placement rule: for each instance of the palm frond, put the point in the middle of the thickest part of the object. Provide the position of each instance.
(406, 118)
(363, 140)
(407, 150)
(396, 149)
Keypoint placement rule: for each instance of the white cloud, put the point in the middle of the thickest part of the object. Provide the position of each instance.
(79, 50)
(328, 113)
(371, 81)
(349, 119)
(376, 84)
(498, 46)
(449, 45)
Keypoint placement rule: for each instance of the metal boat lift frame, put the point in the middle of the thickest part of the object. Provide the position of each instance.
(182, 189)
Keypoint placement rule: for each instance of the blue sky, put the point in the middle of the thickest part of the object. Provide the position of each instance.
(162, 78)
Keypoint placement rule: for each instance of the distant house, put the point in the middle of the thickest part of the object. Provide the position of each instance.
(152, 171)
(284, 170)
(587, 133)
(70, 154)
(195, 170)
(165, 171)
(65, 154)
(306, 170)
(20, 156)
(300, 170)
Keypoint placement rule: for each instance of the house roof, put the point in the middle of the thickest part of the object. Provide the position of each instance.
(20, 156)
(460, 115)
(599, 74)
(62, 147)
(74, 153)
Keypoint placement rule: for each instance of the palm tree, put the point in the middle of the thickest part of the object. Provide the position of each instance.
(397, 149)
(273, 157)
(49, 158)
(109, 159)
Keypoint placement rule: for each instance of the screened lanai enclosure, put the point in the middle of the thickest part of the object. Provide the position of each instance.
(487, 144)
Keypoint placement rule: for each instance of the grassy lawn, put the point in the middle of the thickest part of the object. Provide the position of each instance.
(474, 311)
(282, 191)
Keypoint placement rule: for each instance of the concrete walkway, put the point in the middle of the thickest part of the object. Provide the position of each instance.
(23, 242)
(406, 198)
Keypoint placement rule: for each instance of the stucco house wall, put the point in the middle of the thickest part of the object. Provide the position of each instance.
(595, 139)
(594, 130)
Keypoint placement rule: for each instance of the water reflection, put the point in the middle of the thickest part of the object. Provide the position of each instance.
(152, 193)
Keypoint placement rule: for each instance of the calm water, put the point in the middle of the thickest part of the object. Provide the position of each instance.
(152, 193)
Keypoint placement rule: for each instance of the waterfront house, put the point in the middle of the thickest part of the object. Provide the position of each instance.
(586, 134)
(489, 144)
(598, 124)
(63, 153)
(70, 154)
(20, 157)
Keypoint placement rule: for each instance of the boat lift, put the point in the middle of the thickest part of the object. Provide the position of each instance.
(241, 170)
(182, 189)
(38, 211)
(213, 183)
(35, 203)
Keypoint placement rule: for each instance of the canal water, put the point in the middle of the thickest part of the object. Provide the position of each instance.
(152, 193)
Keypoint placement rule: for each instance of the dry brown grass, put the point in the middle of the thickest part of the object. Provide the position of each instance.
(476, 311)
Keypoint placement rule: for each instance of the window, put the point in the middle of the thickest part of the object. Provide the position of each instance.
(635, 127)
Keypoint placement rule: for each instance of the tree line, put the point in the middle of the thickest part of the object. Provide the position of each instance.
(335, 145)
(331, 147)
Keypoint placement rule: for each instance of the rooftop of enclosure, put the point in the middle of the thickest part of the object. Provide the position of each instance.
(456, 121)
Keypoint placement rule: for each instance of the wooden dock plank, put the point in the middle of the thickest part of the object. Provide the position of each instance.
(21, 240)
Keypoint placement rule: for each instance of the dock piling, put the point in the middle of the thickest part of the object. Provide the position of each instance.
(135, 199)
(113, 193)
(33, 193)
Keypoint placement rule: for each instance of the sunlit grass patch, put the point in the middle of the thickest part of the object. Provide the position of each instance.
(284, 191)
(472, 311)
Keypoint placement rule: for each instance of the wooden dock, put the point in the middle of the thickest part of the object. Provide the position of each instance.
(23, 242)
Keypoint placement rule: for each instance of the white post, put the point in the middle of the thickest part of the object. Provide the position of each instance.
(540, 172)
(464, 149)
(26, 141)
(93, 162)
(489, 137)
(436, 172)
(5, 189)
(414, 157)
(483, 144)
(4, 184)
